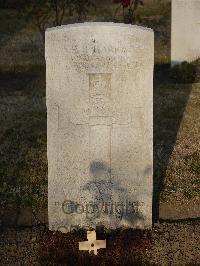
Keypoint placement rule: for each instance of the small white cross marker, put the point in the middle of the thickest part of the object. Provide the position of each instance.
(92, 244)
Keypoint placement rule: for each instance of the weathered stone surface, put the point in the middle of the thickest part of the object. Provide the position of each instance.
(99, 106)
(185, 32)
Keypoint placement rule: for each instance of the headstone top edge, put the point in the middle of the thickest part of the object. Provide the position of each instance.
(95, 24)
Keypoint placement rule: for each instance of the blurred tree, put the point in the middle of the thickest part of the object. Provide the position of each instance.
(129, 8)
(48, 13)
(12, 4)
(81, 7)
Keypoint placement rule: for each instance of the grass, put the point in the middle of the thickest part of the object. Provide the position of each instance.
(154, 8)
(176, 136)
(23, 162)
(183, 169)
(21, 43)
(16, 71)
(10, 22)
(23, 159)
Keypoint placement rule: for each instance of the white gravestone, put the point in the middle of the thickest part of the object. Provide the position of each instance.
(185, 31)
(99, 107)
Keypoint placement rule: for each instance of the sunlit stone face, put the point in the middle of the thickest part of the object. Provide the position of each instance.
(185, 31)
(99, 107)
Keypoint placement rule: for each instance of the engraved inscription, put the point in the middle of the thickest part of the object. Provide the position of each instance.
(184, 4)
(100, 123)
(100, 94)
(100, 111)
(100, 85)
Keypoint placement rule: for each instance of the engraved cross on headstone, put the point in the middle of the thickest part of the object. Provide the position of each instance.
(101, 120)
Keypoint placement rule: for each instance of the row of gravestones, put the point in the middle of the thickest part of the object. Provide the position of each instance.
(100, 118)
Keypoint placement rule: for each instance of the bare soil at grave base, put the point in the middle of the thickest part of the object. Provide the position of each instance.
(167, 244)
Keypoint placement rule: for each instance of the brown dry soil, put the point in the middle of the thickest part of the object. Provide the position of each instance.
(167, 244)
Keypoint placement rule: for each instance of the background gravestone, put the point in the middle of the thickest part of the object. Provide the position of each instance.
(99, 106)
(185, 32)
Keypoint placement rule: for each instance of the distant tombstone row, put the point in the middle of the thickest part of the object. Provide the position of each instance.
(185, 31)
(100, 125)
